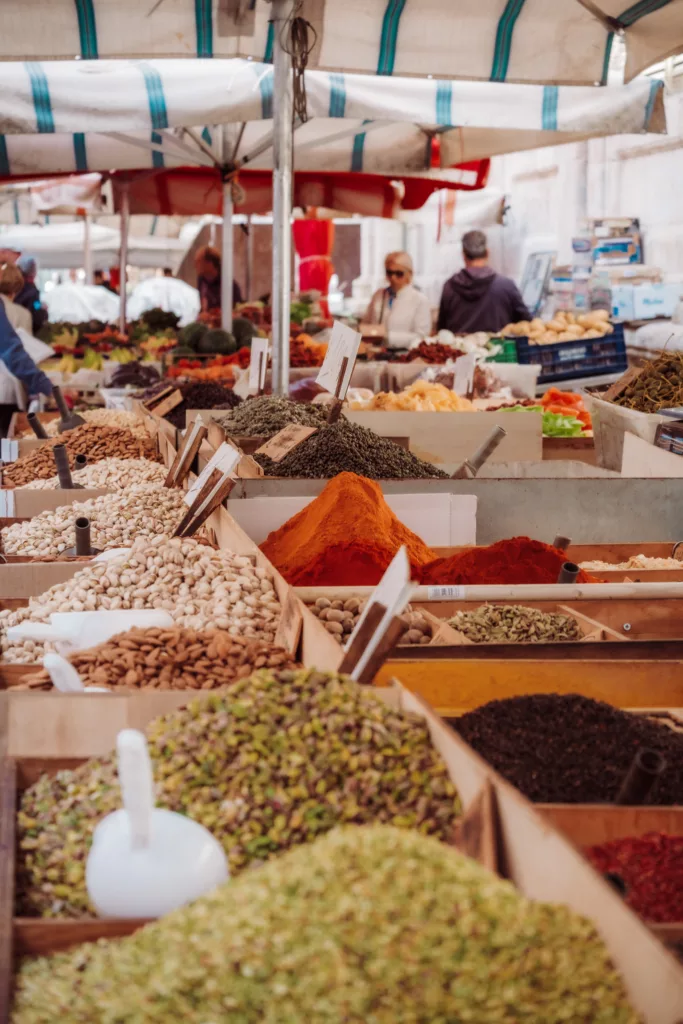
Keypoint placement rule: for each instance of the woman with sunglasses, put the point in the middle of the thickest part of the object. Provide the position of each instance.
(400, 312)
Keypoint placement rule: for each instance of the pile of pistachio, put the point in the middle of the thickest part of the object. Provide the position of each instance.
(368, 924)
(275, 761)
(515, 624)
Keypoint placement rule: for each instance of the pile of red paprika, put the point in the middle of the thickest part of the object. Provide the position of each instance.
(652, 868)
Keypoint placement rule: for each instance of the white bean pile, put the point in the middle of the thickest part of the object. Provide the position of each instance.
(116, 520)
(114, 474)
(200, 587)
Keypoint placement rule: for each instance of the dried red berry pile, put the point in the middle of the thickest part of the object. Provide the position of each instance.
(652, 868)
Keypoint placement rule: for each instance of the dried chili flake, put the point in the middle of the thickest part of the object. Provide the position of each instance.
(652, 868)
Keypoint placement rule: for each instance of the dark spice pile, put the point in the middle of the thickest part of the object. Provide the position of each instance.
(201, 395)
(658, 386)
(348, 448)
(570, 749)
(265, 415)
(652, 868)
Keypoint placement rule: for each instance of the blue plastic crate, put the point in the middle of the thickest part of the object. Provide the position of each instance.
(565, 360)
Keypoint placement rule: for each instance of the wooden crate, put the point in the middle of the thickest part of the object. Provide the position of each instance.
(533, 854)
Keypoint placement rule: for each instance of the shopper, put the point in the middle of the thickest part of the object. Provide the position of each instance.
(207, 261)
(11, 283)
(19, 371)
(103, 282)
(399, 308)
(477, 298)
(29, 296)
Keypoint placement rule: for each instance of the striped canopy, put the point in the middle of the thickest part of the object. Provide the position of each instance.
(558, 42)
(102, 115)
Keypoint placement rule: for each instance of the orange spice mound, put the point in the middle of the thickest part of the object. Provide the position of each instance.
(517, 560)
(347, 536)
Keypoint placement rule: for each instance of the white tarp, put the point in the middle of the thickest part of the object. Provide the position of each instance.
(60, 246)
(107, 114)
(558, 41)
(76, 303)
(167, 293)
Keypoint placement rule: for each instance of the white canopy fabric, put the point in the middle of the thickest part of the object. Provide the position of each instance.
(550, 41)
(101, 115)
(58, 246)
(76, 303)
(167, 293)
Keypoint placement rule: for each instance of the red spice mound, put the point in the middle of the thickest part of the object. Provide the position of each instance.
(652, 867)
(518, 560)
(347, 536)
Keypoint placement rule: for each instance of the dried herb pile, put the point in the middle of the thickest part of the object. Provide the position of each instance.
(570, 749)
(348, 448)
(659, 386)
(366, 925)
(266, 415)
(515, 624)
(274, 761)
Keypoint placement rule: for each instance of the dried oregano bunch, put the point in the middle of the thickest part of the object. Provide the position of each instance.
(365, 925)
(515, 624)
(273, 762)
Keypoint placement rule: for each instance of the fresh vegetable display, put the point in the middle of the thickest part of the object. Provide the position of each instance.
(564, 413)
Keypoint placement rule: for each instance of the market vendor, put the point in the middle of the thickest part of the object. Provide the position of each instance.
(400, 309)
(477, 298)
(18, 372)
(207, 261)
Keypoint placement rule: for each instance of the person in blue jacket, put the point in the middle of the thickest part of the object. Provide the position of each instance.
(20, 365)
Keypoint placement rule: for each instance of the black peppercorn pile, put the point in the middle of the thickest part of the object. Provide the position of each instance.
(570, 749)
(201, 395)
(348, 448)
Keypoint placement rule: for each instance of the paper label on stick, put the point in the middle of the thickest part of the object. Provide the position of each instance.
(7, 504)
(446, 593)
(9, 450)
(224, 460)
(167, 403)
(463, 374)
(343, 344)
(393, 592)
(187, 452)
(258, 365)
(284, 441)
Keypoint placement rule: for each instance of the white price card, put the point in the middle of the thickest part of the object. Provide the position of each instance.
(258, 365)
(446, 593)
(9, 450)
(7, 504)
(224, 460)
(393, 592)
(344, 344)
(463, 374)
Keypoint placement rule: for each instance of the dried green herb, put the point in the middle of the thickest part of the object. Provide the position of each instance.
(366, 926)
(515, 624)
(266, 415)
(275, 761)
(659, 386)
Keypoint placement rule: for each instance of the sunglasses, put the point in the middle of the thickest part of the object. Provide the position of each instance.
(395, 273)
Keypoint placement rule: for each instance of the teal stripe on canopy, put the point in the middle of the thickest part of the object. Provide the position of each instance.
(41, 96)
(655, 86)
(551, 95)
(87, 29)
(206, 135)
(157, 157)
(387, 49)
(504, 32)
(155, 95)
(80, 153)
(15, 204)
(629, 17)
(266, 87)
(153, 228)
(268, 55)
(444, 99)
(337, 96)
(358, 150)
(4, 157)
(204, 24)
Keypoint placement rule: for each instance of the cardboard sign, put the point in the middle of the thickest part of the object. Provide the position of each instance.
(167, 403)
(186, 454)
(333, 375)
(284, 441)
(9, 450)
(258, 365)
(149, 403)
(222, 462)
(620, 385)
(463, 374)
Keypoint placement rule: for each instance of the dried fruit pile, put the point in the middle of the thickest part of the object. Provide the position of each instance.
(659, 385)
(569, 749)
(340, 617)
(200, 587)
(201, 395)
(267, 414)
(171, 659)
(114, 474)
(274, 761)
(116, 520)
(366, 925)
(94, 442)
(515, 624)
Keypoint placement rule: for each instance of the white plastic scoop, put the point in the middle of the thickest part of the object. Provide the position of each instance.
(74, 631)
(65, 678)
(144, 861)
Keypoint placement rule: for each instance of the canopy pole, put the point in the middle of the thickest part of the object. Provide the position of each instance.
(87, 249)
(227, 261)
(250, 258)
(123, 257)
(283, 110)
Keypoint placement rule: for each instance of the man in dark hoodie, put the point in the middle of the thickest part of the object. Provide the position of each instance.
(477, 298)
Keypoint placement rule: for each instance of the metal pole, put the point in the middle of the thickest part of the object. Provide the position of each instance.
(227, 272)
(250, 259)
(282, 198)
(123, 257)
(87, 249)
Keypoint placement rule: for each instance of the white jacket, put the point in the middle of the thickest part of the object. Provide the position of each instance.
(407, 316)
